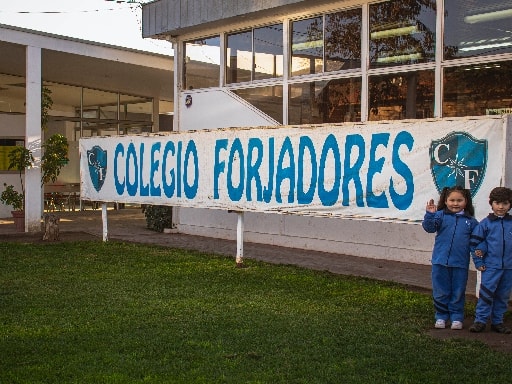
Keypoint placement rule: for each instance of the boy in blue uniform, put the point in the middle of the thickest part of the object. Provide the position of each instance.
(494, 235)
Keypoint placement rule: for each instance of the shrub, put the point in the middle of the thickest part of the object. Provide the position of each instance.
(158, 217)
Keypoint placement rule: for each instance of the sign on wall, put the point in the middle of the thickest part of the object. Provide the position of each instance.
(379, 171)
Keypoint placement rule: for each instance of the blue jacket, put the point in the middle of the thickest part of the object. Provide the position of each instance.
(451, 246)
(494, 235)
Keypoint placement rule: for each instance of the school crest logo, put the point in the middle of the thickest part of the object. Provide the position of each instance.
(97, 161)
(458, 159)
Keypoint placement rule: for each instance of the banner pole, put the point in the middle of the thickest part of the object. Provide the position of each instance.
(104, 221)
(240, 240)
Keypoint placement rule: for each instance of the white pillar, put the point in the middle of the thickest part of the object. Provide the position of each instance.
(33, 195)
(104, 221)
(240, 239)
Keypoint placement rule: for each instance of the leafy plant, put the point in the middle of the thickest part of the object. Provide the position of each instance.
(20, 158)
(12, 197)
(55, 156)
(158, 217)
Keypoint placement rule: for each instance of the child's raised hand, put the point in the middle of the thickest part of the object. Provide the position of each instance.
(479, 253)
(431, 206)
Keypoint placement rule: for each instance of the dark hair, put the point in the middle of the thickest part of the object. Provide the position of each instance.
(500, 195)
(457, 188)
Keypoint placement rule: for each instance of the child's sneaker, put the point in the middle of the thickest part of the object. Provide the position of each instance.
(440, 324)
(457, 324)
(500, 328)
(477, 327)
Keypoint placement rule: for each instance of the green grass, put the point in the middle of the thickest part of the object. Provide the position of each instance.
(95, 312)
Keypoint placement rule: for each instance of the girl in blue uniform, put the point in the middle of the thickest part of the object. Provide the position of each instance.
(453, 222)
(493, 237)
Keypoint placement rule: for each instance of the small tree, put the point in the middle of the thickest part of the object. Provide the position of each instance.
(55, 156)
(20, 158)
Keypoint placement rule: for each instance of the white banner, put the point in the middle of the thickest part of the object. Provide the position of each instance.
(380, 171)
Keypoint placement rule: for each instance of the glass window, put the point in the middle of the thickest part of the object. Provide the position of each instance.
(268, 52)
(307, 46)
(100, 111)
(329, 101)
(407, 95)
(267, 99)
(12, 97)
(480, 89)
(255, 55)
(201, 66)
(402, 32)
(239, 57)
(135, 114)
(478, 27)
(325, 45)
(343, 40)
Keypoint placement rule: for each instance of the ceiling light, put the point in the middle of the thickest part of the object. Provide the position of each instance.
(394, 32)
(488, 16)
(485, 46)
(400, 58)
(307, 45)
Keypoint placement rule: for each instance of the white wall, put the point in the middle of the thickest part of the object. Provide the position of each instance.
(372, 239)
(219, 109)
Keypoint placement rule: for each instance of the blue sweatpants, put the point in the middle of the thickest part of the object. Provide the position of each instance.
(449, 291)
(494, 295)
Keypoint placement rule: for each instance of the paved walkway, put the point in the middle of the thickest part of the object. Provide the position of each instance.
(129, 224)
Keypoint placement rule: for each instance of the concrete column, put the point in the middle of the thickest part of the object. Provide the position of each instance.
(33, 196)
(156, 114)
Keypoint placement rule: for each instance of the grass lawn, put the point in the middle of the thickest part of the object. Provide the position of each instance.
(92, 312)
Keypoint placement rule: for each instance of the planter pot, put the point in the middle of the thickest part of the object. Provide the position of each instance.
(19, 220)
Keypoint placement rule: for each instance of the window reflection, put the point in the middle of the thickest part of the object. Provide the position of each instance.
(239, 57)
(478, 27)
(325, 45)
(480, 89)
(343, 40)
(333, 101)
(307, 46)
(255, 55)
(201, 64)
(266, 99)
(401, 96)
(268, 52)
(402, 32)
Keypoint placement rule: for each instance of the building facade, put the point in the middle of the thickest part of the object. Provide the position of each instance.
(96, 90)
(307, 63)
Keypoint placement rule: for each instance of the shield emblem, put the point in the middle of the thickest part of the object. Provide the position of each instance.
(458, 159)
(97, 161)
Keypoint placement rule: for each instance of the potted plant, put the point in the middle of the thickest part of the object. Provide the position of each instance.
(55, 156)
(20, 158)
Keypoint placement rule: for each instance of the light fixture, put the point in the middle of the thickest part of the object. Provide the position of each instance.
(394, 32)
(488, 16)
(466, 46)
(399, 58)
(307, 45)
